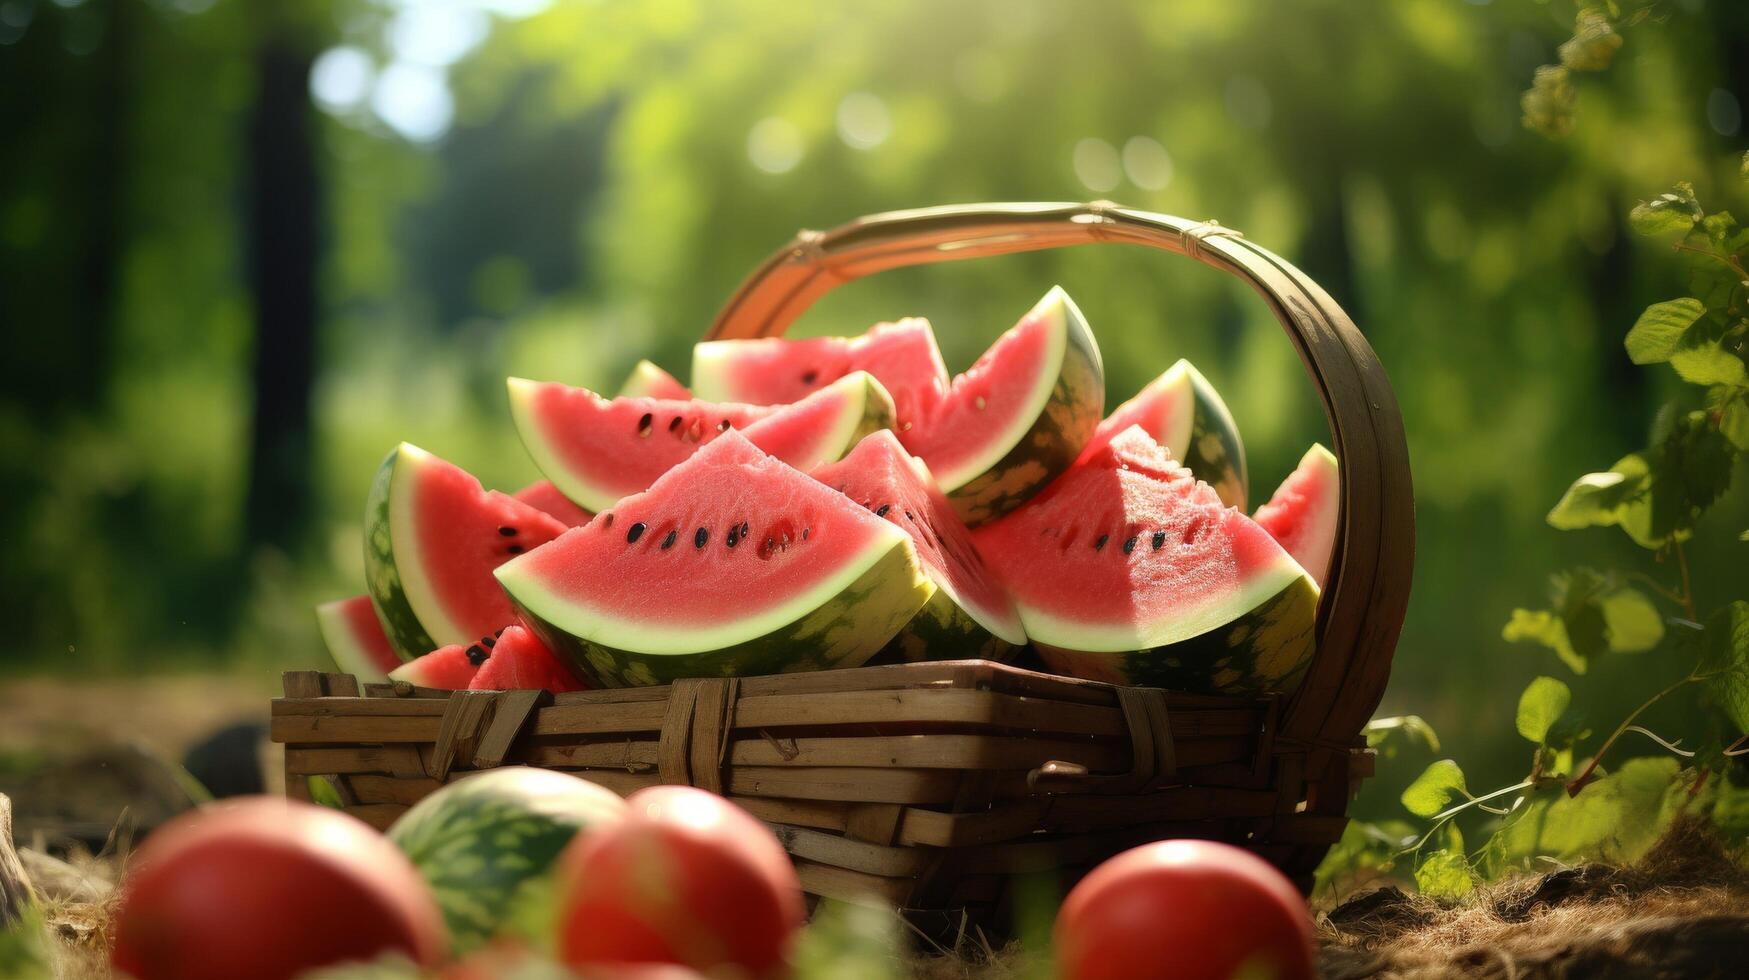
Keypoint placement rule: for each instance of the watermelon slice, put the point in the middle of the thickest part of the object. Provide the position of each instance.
(432, 537)
(902, 356)
(450, 668)
(1184, 414)
(546, 498)
(1302, 514)
(597, 451)
(1017, 417)
(649, 381)
(356, 639)
(732, 563)
(1129, 570)
(969, 615)
(520, 662)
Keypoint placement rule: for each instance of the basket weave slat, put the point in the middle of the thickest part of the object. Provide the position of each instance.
(931, 785)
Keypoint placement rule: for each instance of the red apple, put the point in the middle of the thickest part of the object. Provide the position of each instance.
(1186, 909)
(269, 888)
(688, 878)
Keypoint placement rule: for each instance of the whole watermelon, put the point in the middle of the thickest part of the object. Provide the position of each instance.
(487, 843)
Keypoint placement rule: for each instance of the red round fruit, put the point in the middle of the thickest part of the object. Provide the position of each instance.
(687, 877)
(1185, 909)
(266, 888)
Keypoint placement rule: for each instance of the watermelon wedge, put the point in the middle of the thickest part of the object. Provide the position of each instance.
(356, 639)
(732, 563)
(902, 356)
(1019, 416)
(432, 537)
(649, 381)
(546, 498)
(449, 668)
(597, 451)
(521, 662)
(1184, 414)
(1302, 514)
(969, 615)
(1129, 570)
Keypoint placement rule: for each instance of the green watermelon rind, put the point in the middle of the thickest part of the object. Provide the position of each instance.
(343, 646)
(1265, 649)
(1043, 443)
(1214, 451)
(383, 566)
(868, 408)
(859, 611)
(944, 629)
(480, 843)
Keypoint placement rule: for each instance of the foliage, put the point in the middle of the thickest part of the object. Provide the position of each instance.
(1569, 808)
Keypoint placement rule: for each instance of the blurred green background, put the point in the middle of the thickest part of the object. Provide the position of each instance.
(246, 247)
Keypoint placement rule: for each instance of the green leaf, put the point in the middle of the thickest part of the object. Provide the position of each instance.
(1540, 706)
(1745, 167)
(1593, 44)
(1725, 661)
(1433, 790)
(1544, 628)
(323, 793)
(1549, 103)
(1446, 873)
(1633, 623)
(1384, 733)
(1734, 421)
(851, 939)
(1616, 818)
(1658, 332)
(1672, 214)
(1366, 849)
(1709, 364)
(1602, 499)
(1694, 469)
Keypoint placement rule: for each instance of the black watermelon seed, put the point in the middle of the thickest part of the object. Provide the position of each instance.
(699, 537)
(805, 533)
(1100, 544)
(514, 549)
(501, 630)
(477, 655)
(645, 424)
(809, 377)
(881, 511)
(1159, 539)
(910, 517)
(488, 641)
(723, 426)
(734, 536)
(1129, 545)
(668, 542)
(635, 532)
(508, 532)
(674, 424)
(607, 520)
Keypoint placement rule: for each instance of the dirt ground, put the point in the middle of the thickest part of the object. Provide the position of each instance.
(1683, 912)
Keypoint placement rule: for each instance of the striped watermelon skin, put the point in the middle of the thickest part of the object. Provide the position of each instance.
(383, 576)
(485, 842)
(1267, 649)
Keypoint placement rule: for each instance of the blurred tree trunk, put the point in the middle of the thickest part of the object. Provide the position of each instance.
(283, 197)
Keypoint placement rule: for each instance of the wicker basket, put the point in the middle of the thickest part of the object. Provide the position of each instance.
(932, 784)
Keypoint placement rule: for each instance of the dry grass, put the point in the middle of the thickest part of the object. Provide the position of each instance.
(1682, 912)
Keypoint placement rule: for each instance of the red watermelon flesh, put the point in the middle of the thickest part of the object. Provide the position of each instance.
(355, 638)
(433, 536)
(450, 668)
(520, 662)
(544, 497)
(1130, 554)
(902, 356)
(597, 450)
(881, 476)
(1302, 514)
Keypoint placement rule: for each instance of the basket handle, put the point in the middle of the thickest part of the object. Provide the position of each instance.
(1367, 591)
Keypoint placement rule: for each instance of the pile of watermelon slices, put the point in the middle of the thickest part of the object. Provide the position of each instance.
(836, 501)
